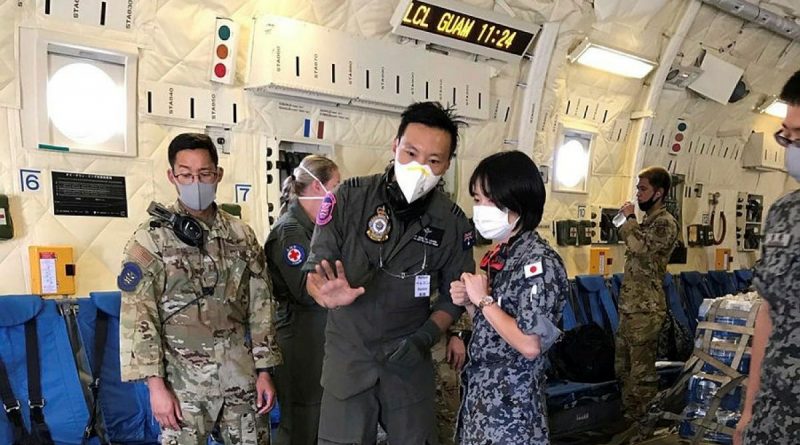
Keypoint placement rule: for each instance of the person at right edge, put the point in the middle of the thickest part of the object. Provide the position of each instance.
(771, 411)
(401, 242)
(642, 307)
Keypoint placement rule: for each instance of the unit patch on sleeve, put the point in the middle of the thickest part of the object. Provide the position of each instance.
(533, 269)
(295, 255)
(129, 277)
(468, 239)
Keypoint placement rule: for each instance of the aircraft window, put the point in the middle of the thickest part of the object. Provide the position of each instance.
(85, 103)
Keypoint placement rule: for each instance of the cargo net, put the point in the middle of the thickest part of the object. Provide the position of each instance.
(705, 403)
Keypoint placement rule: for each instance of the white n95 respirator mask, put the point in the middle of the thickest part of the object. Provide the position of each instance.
(415, 180)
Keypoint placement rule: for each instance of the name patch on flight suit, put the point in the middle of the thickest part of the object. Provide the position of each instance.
(430, 236)
(778, 240)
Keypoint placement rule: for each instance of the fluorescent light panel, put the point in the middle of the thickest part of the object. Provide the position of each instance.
(774, 107)
(611, 60)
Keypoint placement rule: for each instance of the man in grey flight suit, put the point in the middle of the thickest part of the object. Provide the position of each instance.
(400, 241)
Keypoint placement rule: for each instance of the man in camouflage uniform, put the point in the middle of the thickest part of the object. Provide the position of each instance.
(642, 306)
(449, 356)
(197, 313)
(771, 413)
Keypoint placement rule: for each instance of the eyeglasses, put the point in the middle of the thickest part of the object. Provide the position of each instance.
(785, 142)
(205, 176)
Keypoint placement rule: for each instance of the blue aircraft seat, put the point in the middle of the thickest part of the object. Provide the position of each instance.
(592, 290)
(743, 279)
(720, 283)
(124, 406)
(65, 411)
(675, 303)
(695, 290)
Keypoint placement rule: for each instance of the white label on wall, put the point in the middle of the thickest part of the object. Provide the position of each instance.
(47, 266)
(192, 104)
(242, 191)
(113, 14)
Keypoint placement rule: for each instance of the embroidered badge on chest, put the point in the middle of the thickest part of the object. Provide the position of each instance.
(295, 255)
(468, 239)
(379, 226)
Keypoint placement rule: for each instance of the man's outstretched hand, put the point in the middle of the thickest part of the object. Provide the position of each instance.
(330, 289)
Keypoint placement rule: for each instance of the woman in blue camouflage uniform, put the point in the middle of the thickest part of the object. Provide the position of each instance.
(301, 322)
(515, 307)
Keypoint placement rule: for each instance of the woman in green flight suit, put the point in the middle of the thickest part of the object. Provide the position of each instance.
(301, 322)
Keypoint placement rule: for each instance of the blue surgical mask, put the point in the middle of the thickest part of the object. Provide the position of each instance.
(792, 161)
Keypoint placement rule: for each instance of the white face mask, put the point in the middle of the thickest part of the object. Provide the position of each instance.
(492, 223)
(415, 180)
(792, 161)
(197, 196)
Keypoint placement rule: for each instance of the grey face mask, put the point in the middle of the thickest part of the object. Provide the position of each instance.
(198, 196)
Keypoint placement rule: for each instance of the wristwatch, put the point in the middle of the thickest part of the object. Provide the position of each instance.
(486, 301)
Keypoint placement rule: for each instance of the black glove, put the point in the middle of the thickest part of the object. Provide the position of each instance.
(413, 348)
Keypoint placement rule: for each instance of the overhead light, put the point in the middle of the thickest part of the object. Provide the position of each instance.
(774, 107)
(610, 60)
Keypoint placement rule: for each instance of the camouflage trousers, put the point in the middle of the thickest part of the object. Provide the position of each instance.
(448, 393)
(635, 361)
(238, 425)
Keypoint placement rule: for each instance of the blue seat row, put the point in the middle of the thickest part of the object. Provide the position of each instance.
(66, 345)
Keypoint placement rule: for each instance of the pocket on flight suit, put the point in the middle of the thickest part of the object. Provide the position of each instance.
(241, 425)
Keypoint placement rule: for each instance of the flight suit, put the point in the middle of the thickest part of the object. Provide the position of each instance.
(301, 328)
(776, 411)
(205, 344)
(642, 307)
(361, 387)
(504, 399)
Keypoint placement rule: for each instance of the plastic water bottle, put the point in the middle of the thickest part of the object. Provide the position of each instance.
(619, 219)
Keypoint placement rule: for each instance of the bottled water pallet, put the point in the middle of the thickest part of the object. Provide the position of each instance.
(717, 371)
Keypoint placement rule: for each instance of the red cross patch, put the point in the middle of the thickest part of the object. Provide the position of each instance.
(295, 255)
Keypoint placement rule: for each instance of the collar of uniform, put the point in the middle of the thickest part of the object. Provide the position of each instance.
(300, 215)
(520, 248)
(219, 229)
(655, 214)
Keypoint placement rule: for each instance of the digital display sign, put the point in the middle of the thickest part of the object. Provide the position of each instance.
(465, 28)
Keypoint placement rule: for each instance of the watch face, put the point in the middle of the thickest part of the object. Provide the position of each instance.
(487, 300)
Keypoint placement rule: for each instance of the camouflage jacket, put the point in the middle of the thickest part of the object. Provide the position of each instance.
(504, 397)
(777, 279)
(648, 248)
(169, 329)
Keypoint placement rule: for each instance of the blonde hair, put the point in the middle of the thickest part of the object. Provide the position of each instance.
(295, 184)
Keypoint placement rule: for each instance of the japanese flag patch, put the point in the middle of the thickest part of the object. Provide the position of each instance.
(533, 269)
(295, 255)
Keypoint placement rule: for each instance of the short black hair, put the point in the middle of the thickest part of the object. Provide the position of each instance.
(192, 141)
(658, 177)
(791, 91)
(434, 115)
(512, 181)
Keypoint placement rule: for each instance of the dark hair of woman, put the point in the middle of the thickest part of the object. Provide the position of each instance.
(512, 181)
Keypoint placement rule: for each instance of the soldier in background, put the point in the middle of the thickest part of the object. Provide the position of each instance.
(770, 414)
(301, 321)
(197, 315)
(642, 306)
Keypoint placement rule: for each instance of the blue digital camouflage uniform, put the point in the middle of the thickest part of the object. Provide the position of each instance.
(504, 400)
(776, 410)
(206, 348)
